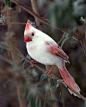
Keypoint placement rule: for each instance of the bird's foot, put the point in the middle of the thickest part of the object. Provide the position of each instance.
(32, 62)
(49, 71)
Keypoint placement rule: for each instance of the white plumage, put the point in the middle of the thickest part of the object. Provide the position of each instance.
(45, 50)
(38, 50)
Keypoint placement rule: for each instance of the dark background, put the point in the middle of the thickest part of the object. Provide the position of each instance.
(77, 66)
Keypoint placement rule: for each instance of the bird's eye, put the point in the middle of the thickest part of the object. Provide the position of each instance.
(32, 33)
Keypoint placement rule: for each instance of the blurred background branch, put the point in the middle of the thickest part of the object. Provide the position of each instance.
(33, 88)
(44, 20)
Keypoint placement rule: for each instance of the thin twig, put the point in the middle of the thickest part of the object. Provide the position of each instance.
(62, 38)
(83, 47)
(35, 10)
(82, 97)
(17, 23)
(5, 59)
(77, 36)
(44, 20)
(13, 45)
(43, 69)
(4, 2)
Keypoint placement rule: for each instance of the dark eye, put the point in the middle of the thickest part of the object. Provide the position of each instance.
(32, 33)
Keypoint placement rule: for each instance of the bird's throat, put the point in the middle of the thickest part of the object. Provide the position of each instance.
(27, 39)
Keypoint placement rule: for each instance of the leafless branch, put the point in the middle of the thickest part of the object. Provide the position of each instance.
(44, 20)
(62, 38)
(17, 23)
(52, 75)
(12, 45)
(42, 69)
(5, 59)
(48, 23)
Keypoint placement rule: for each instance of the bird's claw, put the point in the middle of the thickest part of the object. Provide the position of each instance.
(48, 73)
(32, 62)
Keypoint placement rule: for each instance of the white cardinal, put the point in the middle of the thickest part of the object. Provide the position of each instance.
(45, 50)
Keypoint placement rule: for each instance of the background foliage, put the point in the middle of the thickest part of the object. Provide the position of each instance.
(24, 86)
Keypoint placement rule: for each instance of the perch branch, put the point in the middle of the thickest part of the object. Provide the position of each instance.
(35, 10)
(48, 23)
(43, 69)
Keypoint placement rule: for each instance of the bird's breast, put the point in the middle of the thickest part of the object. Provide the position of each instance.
(32, 48)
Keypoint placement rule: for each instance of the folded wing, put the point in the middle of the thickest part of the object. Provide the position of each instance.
(56, 50)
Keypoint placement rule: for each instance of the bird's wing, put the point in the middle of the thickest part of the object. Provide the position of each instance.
(56, 50)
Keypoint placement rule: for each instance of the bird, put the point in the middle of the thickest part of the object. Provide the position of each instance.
(43, 49)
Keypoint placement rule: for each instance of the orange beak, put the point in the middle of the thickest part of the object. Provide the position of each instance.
(27, 39)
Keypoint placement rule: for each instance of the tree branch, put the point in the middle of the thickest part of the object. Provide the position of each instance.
(44, 20)
(35, 10)
(48, 23)
(43, 69)
(12, 45)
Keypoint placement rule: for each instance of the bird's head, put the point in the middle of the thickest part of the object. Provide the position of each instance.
(29, 32)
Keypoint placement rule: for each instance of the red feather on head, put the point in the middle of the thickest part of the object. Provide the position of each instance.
(27, 38)
(28, 24)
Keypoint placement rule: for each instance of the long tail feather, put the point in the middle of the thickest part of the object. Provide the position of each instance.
(69, 80)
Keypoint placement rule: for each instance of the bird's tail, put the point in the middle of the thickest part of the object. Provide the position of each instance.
(69, 80)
